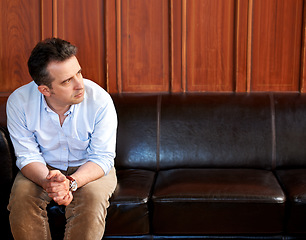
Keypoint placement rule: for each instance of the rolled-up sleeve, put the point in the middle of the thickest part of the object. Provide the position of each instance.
(102, 144)
(24, 142)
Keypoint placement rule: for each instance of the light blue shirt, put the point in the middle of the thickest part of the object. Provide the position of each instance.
(87, 134)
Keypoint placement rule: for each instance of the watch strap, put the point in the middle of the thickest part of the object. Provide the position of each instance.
(73, 184)
(70, 178)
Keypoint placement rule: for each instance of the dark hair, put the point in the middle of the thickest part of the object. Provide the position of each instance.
(45, 52)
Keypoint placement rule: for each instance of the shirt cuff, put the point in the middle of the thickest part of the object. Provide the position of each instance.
(22, 161)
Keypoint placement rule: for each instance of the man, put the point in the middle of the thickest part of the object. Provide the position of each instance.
(63, 129)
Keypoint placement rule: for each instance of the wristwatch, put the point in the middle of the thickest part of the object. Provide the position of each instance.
(73, 184)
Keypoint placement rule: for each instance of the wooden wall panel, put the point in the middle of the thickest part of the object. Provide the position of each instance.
(241, 45)
(81, 23)
(303, 52)
(177, 81)
(210, 42)
(144, 45)
(110, 46)
(20, 29)
(46, 14)
(163, 45)
(276, 45)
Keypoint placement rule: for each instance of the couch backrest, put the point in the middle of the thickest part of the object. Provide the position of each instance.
(290, 130)
(194, 130)
(203, 130)
(137, 131)
(216, 130)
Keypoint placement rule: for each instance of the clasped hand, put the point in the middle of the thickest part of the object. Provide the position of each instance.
(57, 187)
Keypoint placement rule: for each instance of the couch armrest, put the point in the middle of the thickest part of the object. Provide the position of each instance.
(7, 174)
(7, 158)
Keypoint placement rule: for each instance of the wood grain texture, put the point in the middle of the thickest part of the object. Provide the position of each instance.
(303, 53)
(145, 46)
(81, 23)
(110, 28)
(210, 44)
(276, 45)
(20, 29)
(241, 45)
(169, 46)
(46, 18)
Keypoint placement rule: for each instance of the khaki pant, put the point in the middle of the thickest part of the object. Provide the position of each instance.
(85, 215)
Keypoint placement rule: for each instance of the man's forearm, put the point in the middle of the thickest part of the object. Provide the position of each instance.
(36, 172)
(88, 172)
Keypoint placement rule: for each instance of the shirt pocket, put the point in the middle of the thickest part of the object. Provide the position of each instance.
(78, 148)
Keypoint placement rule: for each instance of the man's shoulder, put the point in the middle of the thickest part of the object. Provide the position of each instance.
(95, 92)
(92, 86)
(25, 93)
(25, 90)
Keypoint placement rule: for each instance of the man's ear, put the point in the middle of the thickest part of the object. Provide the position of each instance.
(44, 90)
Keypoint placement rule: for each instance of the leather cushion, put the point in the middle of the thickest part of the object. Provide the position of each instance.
(217, 201)
(294, 183)
(128, 213)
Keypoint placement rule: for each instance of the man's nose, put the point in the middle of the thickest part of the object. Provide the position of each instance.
(78, 80)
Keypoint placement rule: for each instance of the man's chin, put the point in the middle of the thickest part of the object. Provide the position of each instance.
(78, 100)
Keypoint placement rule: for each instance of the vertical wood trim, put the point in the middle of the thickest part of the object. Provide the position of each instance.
(249, 47)
(236, 48)
(106, 47)
(303, 50)
(42, 19)
(166, 48)
(171, 64)
(54, 18)
(176, 41)
(46, 18)
(100, 64)
(240, 45)
(184, 45)
(118, 45)
(110, 46)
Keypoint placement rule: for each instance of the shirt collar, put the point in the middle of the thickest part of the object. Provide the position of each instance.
(48, 109)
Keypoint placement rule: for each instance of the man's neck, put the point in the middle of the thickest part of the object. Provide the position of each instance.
(60, 110)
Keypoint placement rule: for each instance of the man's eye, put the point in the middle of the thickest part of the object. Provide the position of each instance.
(67, 81)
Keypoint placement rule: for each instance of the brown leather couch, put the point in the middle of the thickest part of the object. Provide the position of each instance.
(201, 166)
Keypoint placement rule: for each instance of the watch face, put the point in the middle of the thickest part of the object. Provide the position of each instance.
(73, 186)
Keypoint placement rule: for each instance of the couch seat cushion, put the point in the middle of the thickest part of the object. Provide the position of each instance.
(294, 183)
(217, 201)
(128, 213)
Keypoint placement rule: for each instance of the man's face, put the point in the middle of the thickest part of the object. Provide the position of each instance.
(68, 85)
